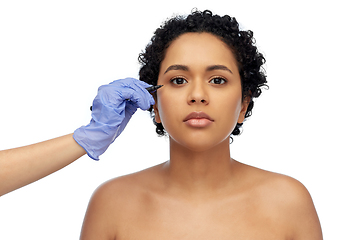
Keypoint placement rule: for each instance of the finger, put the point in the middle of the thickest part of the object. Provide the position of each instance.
(142, 98)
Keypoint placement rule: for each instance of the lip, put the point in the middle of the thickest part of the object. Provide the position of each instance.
(198, 119)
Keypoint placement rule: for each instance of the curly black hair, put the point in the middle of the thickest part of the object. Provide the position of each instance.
(226, 28)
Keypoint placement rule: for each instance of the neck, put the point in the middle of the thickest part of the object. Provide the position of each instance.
(199, 171)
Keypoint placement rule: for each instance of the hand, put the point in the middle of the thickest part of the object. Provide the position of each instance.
(112, 109)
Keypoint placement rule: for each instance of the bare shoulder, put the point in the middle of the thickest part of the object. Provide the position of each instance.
(283, 187)
(287, 200)
(129, 188)
(274, 185)
(114, 201)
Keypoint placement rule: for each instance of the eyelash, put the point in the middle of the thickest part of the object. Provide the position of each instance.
(182, 78)
(221, 78)
(175, 78)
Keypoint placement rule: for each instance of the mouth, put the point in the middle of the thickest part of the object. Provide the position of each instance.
(198, 119)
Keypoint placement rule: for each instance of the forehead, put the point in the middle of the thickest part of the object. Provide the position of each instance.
(199, 49)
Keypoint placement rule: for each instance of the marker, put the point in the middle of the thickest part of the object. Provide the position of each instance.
(151, 89)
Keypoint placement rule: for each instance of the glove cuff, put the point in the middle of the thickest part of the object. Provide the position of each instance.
(94, 139)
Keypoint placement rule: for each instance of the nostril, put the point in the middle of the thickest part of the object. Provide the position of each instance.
(194, 101)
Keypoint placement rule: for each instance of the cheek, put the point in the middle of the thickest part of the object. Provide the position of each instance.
(167, 107)
(230, 108)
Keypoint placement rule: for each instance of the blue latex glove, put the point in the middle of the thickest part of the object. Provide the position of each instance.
(112, 109)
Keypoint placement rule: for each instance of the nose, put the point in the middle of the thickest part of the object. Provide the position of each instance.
(198, 93)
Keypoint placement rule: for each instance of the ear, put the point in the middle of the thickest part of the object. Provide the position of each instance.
(156, 111)
(244, 106)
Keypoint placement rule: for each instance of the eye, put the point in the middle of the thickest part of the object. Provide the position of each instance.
(218, 80)
(178, 80)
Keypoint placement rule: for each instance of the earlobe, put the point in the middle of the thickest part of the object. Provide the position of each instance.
(156, 111)
(244, 107)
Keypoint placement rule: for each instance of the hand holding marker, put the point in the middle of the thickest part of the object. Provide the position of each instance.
(112, 109)
(151, 89)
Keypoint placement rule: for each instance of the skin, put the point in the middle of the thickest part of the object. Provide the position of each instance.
(24, 165)
(201, 192)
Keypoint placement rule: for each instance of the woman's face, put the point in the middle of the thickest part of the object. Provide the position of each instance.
(201, 101)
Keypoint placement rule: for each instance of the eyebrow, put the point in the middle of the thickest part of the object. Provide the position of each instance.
(218, 67)
(177, 67)
(208, 69)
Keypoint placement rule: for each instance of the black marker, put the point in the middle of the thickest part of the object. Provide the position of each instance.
(151, 89)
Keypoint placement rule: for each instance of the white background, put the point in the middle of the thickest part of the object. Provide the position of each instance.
(55, 54)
